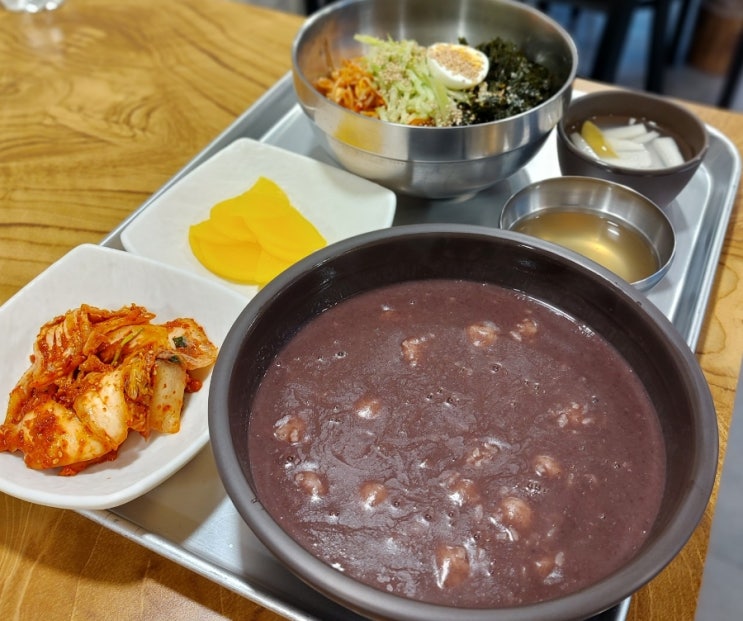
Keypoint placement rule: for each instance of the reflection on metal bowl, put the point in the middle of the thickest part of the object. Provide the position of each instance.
(432, 162)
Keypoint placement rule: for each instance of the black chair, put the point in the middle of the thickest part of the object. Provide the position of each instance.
(665, 37)
(310, 6)
(732, 78)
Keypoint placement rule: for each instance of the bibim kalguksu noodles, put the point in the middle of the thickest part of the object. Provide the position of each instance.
(441, 85)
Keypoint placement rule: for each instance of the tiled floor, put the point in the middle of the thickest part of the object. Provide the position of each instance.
(723, 578)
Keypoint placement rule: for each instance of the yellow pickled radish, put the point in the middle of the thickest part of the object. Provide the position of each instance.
(595, 138)
(207, 232)
(287, 236)
(231, 226)
(231, 261)
(253, 237)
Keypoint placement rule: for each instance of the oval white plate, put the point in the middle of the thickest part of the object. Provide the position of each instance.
(110, 279)
(339, 204)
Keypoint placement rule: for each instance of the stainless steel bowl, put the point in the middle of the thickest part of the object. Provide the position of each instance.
(609, 306)
(611, 200)
(432, 162)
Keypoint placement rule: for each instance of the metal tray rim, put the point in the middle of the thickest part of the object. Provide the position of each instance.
(262, 116)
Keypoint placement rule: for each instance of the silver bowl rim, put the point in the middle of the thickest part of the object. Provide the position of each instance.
(644, 284)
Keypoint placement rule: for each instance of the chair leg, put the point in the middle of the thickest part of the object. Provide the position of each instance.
(574, 17)
(614, 34)
(732, 77)
(654, 78)
(687, 15)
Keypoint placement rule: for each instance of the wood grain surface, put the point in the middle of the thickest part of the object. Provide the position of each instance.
(100, 104)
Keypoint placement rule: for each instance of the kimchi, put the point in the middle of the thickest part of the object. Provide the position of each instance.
(96, 374)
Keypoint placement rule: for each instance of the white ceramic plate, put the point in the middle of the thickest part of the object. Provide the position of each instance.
(110, 279)
(338, 203)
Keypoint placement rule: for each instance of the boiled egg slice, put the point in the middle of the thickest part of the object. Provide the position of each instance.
(457, 66)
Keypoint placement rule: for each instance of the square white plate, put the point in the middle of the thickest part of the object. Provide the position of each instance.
(110, 279)
(339, 204)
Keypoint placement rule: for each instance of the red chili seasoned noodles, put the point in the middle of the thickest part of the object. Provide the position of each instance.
(352, 87)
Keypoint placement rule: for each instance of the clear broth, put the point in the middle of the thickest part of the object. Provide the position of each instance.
(609, 242)
(612, 120)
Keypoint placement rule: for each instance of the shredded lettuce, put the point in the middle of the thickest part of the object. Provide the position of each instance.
(413, 96)
(401, 73)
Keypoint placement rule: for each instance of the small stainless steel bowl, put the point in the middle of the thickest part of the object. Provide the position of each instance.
(432, 162)
(661, 185)
(618, 204)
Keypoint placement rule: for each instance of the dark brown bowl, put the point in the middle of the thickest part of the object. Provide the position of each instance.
(662, 185)
(608, 305)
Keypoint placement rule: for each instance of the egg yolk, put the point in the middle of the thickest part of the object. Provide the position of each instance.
(253, 237)
(457, 66)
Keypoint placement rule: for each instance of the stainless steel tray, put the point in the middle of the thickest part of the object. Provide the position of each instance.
(189, 518)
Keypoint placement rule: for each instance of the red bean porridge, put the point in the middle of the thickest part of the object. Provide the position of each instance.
(458, 443)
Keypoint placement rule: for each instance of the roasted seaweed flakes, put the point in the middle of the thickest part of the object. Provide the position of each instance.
(514, 84)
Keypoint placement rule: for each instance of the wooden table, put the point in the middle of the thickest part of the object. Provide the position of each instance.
(100, 104)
